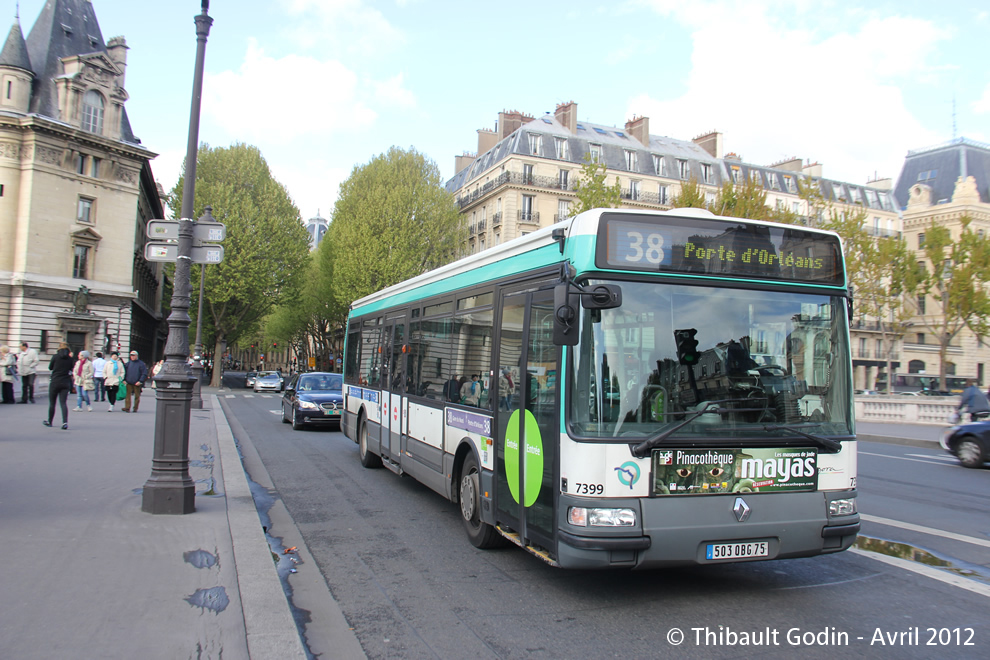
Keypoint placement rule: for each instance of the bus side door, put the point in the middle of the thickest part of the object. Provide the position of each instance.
(393, 387)
(527, 434)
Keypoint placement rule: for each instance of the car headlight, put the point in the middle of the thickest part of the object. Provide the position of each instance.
(598, 517)
(845, 507)
(308, 405)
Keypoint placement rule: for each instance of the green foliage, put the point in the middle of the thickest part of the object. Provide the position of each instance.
(393, 220)
(266, 249)
(691, 196)
(591, 190)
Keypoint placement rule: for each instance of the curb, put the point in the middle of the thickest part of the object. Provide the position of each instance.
(271, 630)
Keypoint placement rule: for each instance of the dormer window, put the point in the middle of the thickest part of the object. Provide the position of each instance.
(92, 119)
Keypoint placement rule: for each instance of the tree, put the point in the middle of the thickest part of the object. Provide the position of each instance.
(393, 220)
(591, 190)
(691, 195)
(955, 275)
(266, 248)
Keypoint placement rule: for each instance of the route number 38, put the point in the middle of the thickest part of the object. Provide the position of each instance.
(648, 248)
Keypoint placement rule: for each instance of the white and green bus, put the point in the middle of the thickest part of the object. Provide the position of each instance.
(622, 389)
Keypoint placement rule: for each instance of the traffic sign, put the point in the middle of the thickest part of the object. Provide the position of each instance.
(203, 232)
(169, 252)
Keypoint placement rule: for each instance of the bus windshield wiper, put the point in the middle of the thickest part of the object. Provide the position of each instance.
(827, 443)
(642, 450)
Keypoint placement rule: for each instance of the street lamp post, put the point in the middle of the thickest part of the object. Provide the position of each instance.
(170, 489)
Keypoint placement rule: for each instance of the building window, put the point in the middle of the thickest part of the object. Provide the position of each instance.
(880, 354)
(796, 208)
(634, 190)
(754, 176)
(596, 152)
(662, 195)
(772, 181)
(562, 179)
(791, 185)
(683, 170)
(79, 163)
(630, 160)
(921, 304)
(854, 195)
(560, 145)
(659, 165)
(94, 168)
(837, 189)
(921, 241)
(710, 199)
(527, 208)
(706, 172)
(528, 174)
(84, 212)
(92, 120)
(535, 144)
(736, 175)
(563, 209)
(80, 262)
(921, 338)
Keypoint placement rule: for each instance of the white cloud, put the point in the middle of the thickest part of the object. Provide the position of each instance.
(982, 105)
(777, 92)
(392, 93)
(284, 99)
(347, 25)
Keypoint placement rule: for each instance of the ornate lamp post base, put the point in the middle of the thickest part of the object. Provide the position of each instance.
(170, 489)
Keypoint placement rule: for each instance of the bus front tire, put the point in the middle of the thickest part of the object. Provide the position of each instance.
(368, 459)
(481, 534)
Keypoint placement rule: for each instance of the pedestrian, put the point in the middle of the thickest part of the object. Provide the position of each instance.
(135, 373)
(82, 377)
(28, 366)
(100, 393)
(158, 367)
(60, 383)
(974, 401)
(113, 375)
(8, 372)
(505, 389)
(471, 391)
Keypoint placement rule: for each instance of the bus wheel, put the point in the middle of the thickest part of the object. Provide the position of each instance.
(481, 534)
(368, 459)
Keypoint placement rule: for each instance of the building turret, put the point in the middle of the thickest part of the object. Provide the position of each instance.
(15, 72)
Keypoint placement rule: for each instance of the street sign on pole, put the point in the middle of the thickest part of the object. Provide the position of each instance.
(163, 230)
(169, 252)
(203, 232)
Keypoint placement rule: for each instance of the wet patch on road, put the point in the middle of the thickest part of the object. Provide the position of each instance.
(921, 556)
(214, 599)
(201, 558)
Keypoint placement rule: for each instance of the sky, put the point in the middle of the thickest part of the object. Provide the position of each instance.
(324, 86)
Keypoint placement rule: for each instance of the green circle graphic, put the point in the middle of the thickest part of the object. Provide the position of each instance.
(532, 458)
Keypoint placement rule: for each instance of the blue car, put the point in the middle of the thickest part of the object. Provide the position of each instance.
(311, 399)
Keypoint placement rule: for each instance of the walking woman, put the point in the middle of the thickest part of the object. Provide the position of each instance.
(82, 376)
(113, 376)
(8, 370)
(60, 384)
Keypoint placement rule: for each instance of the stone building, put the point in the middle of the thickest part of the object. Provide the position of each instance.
(76, 191)
(523, 174)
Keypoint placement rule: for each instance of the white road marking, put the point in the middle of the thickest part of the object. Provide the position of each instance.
(925, 530)
(248, 396)
(230, 396)
(901, 458)
(928, 571)
(275, 412)
(946, 458)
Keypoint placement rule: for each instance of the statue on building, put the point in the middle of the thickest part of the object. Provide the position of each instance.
(80, 300)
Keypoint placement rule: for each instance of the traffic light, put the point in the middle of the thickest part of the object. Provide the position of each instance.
(687, 346)
(274, 344)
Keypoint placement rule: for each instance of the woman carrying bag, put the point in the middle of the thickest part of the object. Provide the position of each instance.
(113, 375)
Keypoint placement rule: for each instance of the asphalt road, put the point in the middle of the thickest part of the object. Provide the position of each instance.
(411, 586)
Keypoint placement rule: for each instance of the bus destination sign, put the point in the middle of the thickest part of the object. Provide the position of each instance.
(718, 246)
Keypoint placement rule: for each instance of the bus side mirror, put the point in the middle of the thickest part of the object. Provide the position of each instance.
(565, 315)
(602, 296)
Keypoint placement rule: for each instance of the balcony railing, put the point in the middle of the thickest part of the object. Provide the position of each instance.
(497, 219)
(518, 178)
(880, 232)
(532, 217)
(481, 226)
(640, 196)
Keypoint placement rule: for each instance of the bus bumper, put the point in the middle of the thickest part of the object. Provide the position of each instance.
(676, 531)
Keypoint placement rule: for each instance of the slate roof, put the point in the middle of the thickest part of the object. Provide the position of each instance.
(64, 28)
(939, 168)
(14, 51)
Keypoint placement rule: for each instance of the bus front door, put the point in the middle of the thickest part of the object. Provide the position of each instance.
(527, 435)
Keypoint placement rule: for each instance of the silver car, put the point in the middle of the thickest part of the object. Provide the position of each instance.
(268, 381)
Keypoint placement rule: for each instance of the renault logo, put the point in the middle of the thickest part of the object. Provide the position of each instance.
(741, 509)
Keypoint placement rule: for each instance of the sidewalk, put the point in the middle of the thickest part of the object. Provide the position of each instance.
(87, 574)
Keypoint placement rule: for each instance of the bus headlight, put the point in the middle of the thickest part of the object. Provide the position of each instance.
(842, 507)
(584, 517)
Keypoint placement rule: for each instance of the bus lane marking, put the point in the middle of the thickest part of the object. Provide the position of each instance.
(927, 571)
(925, 530)
(901, 458)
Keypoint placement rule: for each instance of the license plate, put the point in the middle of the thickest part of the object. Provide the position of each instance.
(737, 550)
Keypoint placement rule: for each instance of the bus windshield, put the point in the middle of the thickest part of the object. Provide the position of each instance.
(764, 360)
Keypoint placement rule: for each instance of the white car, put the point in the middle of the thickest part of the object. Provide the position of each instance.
(268, 381)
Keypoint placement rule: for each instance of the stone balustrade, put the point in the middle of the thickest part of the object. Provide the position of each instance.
(905, 410)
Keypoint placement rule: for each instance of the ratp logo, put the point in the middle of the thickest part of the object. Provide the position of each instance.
(628, 474)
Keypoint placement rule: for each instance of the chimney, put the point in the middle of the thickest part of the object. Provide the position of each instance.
(710, 142)
(462, 161)
(639, 128)
(566, 114)
(509, 122)
(788, 165)
(486, 140)
(117, 49)
(812, 170)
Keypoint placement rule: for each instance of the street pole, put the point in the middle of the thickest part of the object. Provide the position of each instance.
(197, 365)
(170, 489)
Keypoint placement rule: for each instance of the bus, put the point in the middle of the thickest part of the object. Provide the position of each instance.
(924, 384)
(623, 389)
